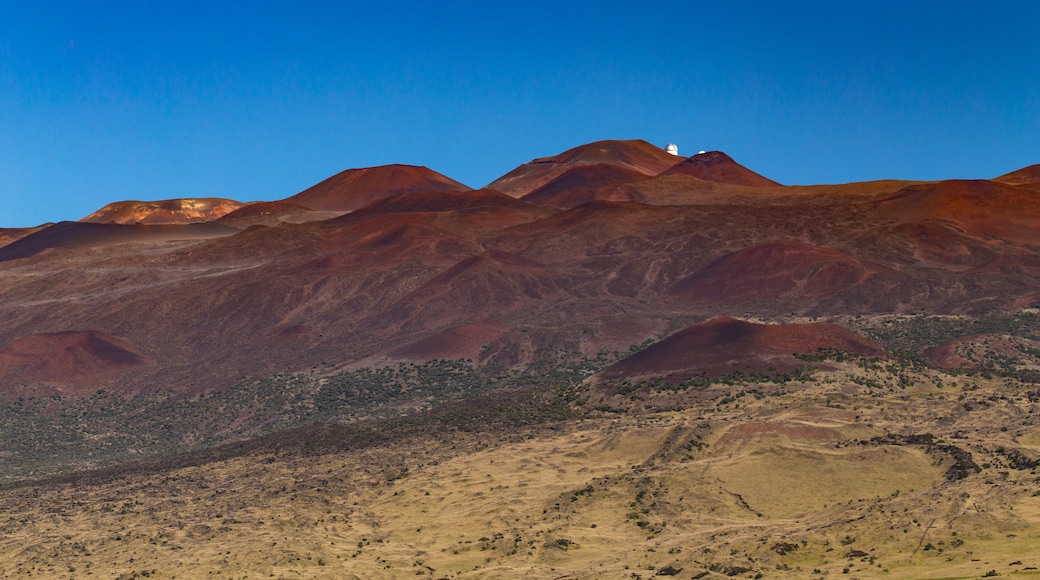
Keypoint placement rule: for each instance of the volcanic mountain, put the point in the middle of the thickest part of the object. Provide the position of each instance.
(721, 168)
(353, 188)
(723, 345)
(167, 211)
(637, 156)
(293, 290)
(378, 358)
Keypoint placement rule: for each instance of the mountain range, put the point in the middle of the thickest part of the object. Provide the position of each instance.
(689, 304)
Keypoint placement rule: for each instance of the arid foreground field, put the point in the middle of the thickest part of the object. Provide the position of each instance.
(846, 473)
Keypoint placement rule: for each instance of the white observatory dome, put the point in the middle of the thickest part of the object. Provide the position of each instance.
(672, 148)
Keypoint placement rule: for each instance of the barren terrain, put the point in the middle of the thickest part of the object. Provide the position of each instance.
(611, 362)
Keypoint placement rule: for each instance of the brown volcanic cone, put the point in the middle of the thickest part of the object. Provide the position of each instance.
(721, 168)
(777, 273)
(167, 211)
(583, 184)
(354, 188)
(76, 362)
(723, 345)
(638, 156)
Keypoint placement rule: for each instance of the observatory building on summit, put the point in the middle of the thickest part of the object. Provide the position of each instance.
(672, 148)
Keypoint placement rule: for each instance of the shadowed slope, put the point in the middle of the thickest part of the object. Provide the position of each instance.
(583, 184)
(75, 362)
(9, 235)
(638, 156)
(77, 235)
(167, 211)
(459, 342)
(721, 168)
(354, 188)
(723, 345)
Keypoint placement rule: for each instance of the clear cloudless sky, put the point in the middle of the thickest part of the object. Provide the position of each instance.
(102, 101)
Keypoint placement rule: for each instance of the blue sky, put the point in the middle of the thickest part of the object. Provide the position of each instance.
(103, 101)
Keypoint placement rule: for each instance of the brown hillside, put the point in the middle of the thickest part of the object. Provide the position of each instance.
(272, 213)
(637, 155)
(979, 208)
(481, 286)
(721, 168)
(1025, 176)
(8, 235)
(76, 362)
(723, 345)
(79, 235)
(463, 201)
(167, 211)
(354, 188)
(785, 272)
(459, 342)
(983, 350)
(583, 184)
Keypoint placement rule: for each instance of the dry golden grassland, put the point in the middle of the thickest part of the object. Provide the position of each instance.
(790, 485)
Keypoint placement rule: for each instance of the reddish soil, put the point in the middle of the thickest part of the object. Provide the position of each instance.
(485, 285)
(1025, 176)
(213, 303)
(977, 208)
(80, 235)
(946, 356)
(167, 211)
(429, 227)
(272, 213)
(583, 184)
(745, 432)
(723, 345)
(966, 352)
(487, 201)
(721, 168)
(354, 188)
(75, 362)
(940, 244)
(460, 342)
(8, 235)
(779, 273)
(637, 156)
